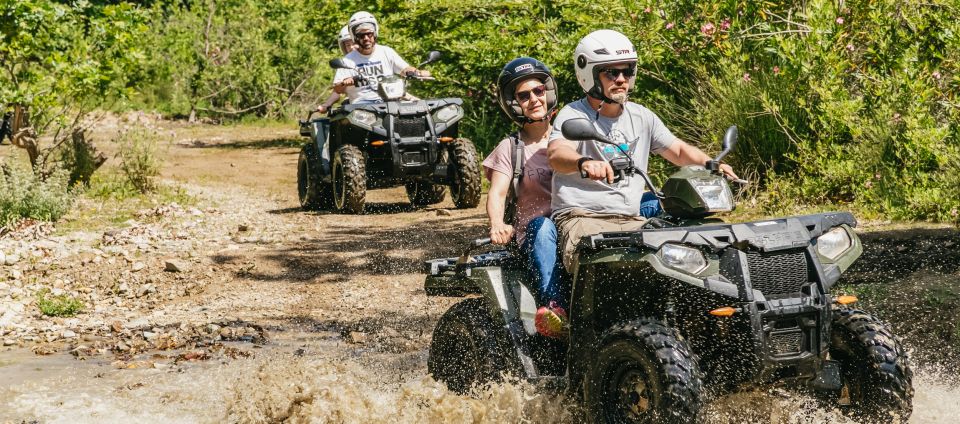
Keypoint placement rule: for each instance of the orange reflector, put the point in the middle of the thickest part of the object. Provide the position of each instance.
(377, 143)
(446, 139)
(725, 311)
(846, 299)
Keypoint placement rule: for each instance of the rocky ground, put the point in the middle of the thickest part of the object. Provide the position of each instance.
(236, 305)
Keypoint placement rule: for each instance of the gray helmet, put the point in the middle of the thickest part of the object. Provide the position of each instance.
(513, 73)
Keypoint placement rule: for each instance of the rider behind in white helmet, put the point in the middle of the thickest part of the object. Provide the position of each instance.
(585, 198)
(345, 41)
(372, 60)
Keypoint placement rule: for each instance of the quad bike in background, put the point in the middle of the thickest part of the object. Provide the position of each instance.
(690, 303)
(399, 141)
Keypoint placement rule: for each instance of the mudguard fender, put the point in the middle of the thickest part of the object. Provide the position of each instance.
(507, 296)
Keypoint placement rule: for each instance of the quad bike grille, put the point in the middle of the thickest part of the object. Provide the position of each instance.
(784, 343)
(778, 273)
(410, 126)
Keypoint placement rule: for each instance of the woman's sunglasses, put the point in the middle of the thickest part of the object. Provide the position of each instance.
(538, 91)
(615, 73)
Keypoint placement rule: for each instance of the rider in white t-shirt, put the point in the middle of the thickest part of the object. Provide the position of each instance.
(372, 60)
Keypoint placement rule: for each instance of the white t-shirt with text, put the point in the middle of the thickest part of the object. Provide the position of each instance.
(382, 61)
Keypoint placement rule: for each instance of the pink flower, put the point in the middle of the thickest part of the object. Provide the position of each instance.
(746, 76)
(776, 70)
(708, 29)
(850, 47)
(840, 20)
(954, 212)
(725, 25)
(868, 184)
(647, 10)
(936, 74)
(669, 25)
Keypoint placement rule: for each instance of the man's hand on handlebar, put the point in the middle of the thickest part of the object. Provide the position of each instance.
(501, 233)
(597, 170)
(727, 171)
(322, 108)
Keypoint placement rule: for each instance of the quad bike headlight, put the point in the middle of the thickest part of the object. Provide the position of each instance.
(362, 118)
(715, 193)
(447, 113)
(833, 243)
(682, 258)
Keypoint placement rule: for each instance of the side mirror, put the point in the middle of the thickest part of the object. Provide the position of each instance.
(433, 56)
(580, 129)
(342, 63)
(729, 142)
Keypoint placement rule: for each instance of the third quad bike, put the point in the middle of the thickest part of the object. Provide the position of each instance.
(688, 306)
(399, 141)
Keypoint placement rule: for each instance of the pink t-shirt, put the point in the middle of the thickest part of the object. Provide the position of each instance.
(533, 197)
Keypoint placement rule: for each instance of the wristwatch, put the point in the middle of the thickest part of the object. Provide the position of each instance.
(580, 162)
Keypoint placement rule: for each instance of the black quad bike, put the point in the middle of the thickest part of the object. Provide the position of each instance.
(689, 307)
(395, 142)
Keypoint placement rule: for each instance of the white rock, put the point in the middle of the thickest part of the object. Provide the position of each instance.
(149, 335)
(137, 266)
(9, 342)
(12, 259)
(68, 334)
(3, 257)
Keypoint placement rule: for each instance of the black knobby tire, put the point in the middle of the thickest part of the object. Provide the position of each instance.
(349, 179)
(422, 193)
(465, 181)
(469, 349)
(644, 373)
(876, 370)
(311, 192)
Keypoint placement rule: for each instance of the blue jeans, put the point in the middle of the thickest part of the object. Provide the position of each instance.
(543, 259)
(543, 262)
(649, 205)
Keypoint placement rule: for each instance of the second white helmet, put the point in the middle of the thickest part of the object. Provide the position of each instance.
(343, 38)
(361, 18)
(595, 51)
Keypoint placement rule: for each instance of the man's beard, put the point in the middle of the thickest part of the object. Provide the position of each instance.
(620, 98)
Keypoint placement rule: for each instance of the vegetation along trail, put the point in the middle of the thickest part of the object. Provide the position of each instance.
(226, 302)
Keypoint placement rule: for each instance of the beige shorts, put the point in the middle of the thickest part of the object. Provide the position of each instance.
(575, 223)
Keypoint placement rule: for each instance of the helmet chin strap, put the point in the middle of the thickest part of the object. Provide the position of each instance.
(603, 99)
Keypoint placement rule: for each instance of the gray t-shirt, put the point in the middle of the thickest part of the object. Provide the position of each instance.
(638, 130)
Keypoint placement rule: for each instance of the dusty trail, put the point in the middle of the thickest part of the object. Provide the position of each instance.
(277, 314)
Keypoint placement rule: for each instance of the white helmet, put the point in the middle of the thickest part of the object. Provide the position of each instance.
(361, 18)
(597, 49)
(344, 37)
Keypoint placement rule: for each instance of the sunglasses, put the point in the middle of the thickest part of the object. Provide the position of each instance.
(364, 35)
(615, 73)
(525, 95)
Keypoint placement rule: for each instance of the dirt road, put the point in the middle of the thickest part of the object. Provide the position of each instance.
(238, 306)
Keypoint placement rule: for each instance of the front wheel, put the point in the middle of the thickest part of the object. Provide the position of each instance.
(644, 373)
(465, 178)
(311, 193)
(876, 372)
(349, 175)
(468, 349)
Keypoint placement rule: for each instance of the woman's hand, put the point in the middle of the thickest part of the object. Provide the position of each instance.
(501, 233)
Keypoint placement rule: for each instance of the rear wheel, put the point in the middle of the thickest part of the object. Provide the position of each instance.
(310, 191)
(468, 349)
(465, 182)
(349, 177)
(643, 373)
(876, 371)
(422, 193)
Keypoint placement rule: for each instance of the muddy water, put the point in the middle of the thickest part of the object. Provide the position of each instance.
(327, 382)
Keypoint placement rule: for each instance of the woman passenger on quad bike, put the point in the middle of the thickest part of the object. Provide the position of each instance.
(345, 41)
(519, 172)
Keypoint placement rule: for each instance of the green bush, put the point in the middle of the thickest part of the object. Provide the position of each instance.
(58, 306)
(138, 151)
(23, 194)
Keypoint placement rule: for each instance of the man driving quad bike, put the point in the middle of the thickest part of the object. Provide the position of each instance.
(665, 314)
(371, 60)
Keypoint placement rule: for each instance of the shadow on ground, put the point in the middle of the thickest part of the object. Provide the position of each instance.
(276, 143)
(911, 279)
(346, 252)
